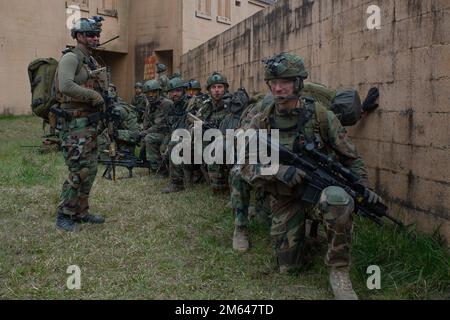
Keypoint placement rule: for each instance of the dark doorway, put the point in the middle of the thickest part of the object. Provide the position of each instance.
(165, 57)
(116, 63)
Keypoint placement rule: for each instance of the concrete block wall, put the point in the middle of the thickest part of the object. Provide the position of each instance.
(406, 142)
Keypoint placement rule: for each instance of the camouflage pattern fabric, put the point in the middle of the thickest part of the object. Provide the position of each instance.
(289, 214)
(164, 82)
(240, 190)
(177, 120)
(79, 149)
(139, 102)
(157, 132)
(224, 117)
(127, 131)
(79, 137)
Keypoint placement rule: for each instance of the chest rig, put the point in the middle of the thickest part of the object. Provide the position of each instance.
(97, 76)
(306, 130)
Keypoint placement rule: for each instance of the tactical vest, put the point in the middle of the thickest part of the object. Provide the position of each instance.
(97, 77)
(309, 126)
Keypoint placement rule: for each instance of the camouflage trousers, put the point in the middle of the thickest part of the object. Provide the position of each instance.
(218, 176)
(176, 172)
(155, 146)
(288, 227)
(79, 148)
(240, 198)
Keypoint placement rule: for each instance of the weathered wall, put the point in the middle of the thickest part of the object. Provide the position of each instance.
(196, 30)
(30, 30)
(406, 142)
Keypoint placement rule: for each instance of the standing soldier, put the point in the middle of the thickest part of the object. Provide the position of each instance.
(156, 125)
(301, 121)
(177, 119)
(79, 91)
(139, 102)
(162, 77)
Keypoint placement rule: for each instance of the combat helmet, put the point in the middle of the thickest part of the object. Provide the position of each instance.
(138, 85)
(286, 66)
(151, 85)
(194, 84)
(216, 78)
(84, 25)
(175, 83)
(160, 67)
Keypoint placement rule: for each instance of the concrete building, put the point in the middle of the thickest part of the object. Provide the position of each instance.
(149, 30)
(406, 142)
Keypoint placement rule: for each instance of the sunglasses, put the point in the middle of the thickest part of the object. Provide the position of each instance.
(92, 34)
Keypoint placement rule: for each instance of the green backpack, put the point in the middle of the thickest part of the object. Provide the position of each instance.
(345, 104)
(41, 73)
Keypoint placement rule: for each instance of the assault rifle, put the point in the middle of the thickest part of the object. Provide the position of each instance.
(126, 160)
(321, 171)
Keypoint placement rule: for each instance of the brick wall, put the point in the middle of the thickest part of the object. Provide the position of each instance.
(406, 142)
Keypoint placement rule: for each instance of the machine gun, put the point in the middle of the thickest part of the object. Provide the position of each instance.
(321, 171)
(126, 160)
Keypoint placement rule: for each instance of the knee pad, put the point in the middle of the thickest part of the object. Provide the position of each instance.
(335, 203)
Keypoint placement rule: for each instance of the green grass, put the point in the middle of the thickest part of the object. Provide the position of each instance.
(156, 246)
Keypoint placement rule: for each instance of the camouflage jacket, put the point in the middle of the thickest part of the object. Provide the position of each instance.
(226, 113)
(126, 129)
(139, 102)
(177, 114)
(334, 142)
(156, 118)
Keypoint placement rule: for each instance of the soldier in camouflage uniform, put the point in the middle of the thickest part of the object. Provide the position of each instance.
(219, 110)
(139, 102)
(126, 130)
(297, 119)
(79, 92)
(156, 125)
(241, 191)
(177, 120)
(162, 77)
(193, 172)
(193, 88)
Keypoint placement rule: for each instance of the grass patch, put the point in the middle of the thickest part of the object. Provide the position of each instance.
(156, 246)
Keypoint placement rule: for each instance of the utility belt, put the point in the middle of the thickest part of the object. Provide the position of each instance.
(68, 115)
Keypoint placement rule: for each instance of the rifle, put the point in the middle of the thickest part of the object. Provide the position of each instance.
(126, 160)
(205, 124)
(102, 76)
(321, 171)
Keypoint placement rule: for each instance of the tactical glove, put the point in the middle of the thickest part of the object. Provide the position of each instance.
(369, 103)
(372, 197)
(289, 175)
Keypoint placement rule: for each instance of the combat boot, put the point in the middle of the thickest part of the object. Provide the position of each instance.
(341, 284)
(90, 218)
(240, 239)
(66, 223)
(172, 187)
